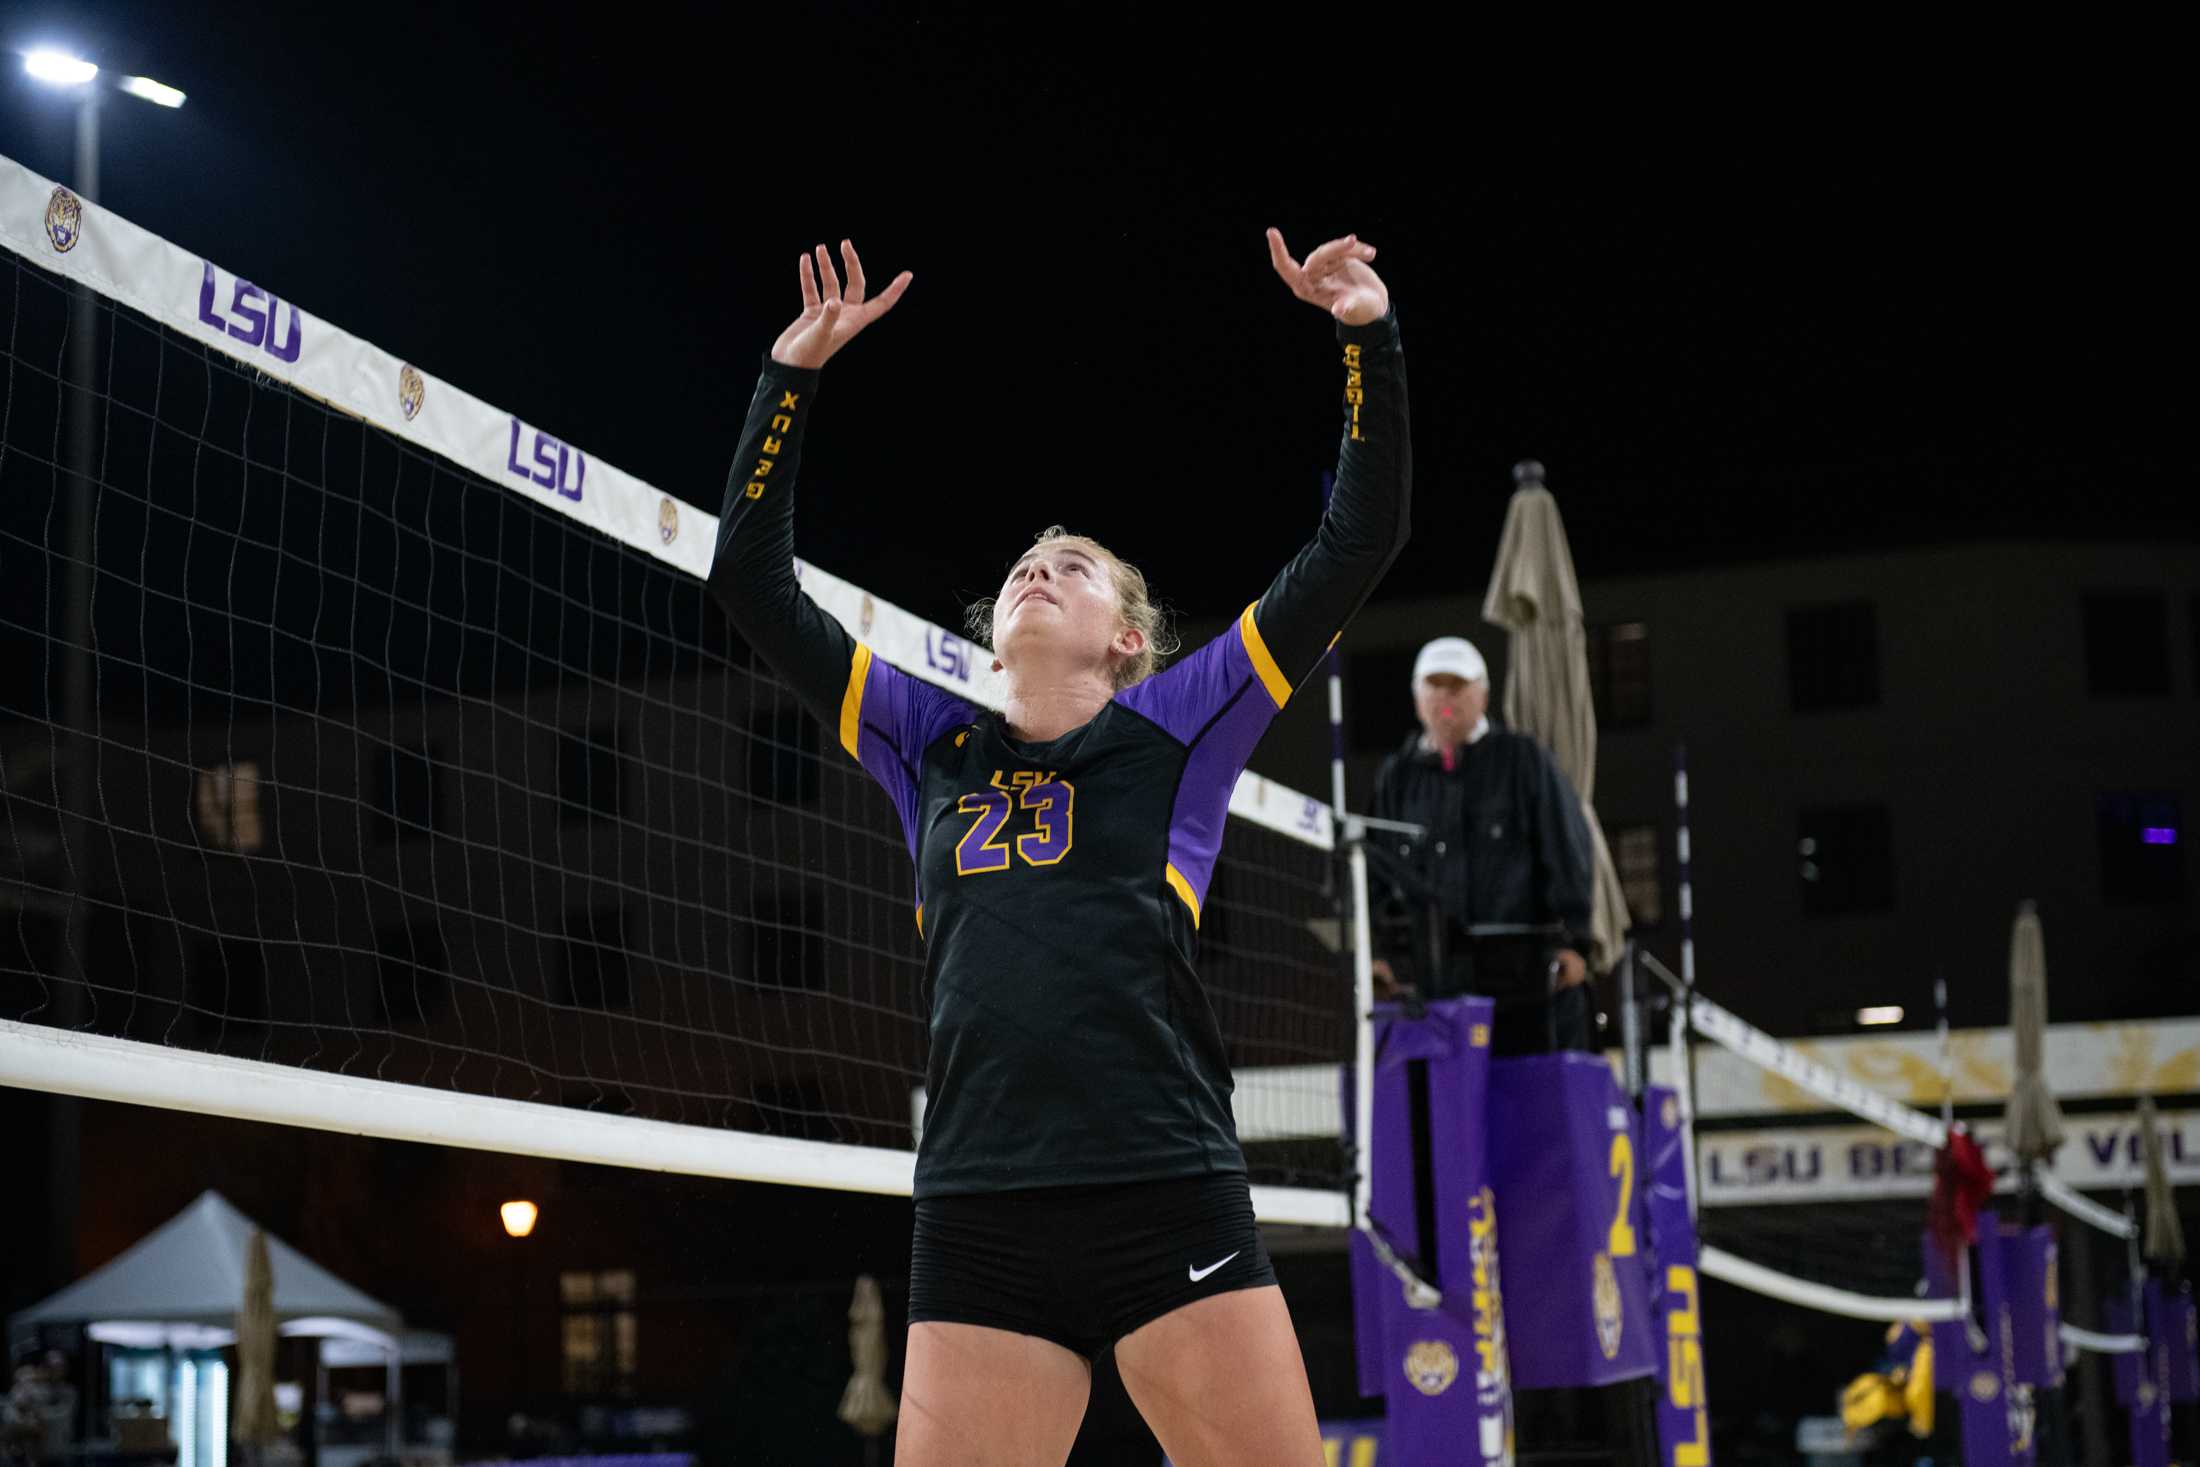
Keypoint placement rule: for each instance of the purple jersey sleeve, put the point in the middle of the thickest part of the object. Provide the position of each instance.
(887, 719)
(1217, 703)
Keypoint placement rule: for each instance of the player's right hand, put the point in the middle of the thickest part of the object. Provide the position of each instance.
(831, 316)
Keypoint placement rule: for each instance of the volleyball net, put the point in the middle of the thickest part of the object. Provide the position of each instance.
(373, 758)
(1771, 1219)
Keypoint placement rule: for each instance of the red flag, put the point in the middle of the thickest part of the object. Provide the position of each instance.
(1962, 1184)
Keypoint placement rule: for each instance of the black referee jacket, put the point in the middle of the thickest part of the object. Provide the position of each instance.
(1505, 832)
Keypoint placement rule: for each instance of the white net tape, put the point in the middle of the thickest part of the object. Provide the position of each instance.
(1724, 1027)
(1729, 1030)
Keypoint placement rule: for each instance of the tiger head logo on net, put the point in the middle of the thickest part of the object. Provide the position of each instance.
(412, 391)
(64, 220)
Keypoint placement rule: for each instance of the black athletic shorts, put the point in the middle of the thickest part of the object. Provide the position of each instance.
(1083, 1266)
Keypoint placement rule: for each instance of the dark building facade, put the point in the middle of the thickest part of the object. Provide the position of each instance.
(1887, 753)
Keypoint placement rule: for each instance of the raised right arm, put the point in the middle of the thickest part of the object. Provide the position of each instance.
(753, 576)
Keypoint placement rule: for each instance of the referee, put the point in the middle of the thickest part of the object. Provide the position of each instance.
(1494, 898)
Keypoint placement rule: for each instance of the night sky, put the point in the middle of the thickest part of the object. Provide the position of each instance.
(1738, 312)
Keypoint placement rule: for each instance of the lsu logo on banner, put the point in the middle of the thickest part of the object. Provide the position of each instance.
(1432, 1366)
(253, 316)
(1604, 1295)
(668, 519)
(1493, 1366)
(1684, 1378)
(553, 464)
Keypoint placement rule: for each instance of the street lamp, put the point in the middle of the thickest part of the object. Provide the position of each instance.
(59, 69)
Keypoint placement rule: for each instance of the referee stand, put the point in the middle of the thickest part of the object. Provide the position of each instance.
(1503, 1242)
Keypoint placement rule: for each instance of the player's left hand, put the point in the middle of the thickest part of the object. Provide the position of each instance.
(1336, 277)
(1571, 967)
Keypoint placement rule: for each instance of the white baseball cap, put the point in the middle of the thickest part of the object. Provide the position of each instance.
(1455, 655)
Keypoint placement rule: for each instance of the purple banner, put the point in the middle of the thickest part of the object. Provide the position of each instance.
(1569, 1206)
(2143, 1383)
(1444, 1371)
(2176, 1324)
(1684, 1423)
(1996, 1416)
(2032, 1313)
(1998, 1249)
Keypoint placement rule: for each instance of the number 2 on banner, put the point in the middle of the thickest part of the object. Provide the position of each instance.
(1622, 1241)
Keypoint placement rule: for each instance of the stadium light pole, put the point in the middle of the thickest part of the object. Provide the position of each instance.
(71, 73)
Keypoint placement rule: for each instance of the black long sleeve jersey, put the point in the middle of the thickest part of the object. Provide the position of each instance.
(1058, 884)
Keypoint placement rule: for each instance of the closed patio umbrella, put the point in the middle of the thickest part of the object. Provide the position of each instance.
(2164, 1239)
(1534, 595)
(867, 1404)
(2033, 1128)
(255, 1426)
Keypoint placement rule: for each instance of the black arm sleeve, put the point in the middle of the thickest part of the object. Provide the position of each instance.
(1563, 865)
(1367, 520)
(753, 576)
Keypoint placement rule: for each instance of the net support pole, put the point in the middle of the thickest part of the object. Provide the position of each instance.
(1630, 1023)
(1681, 865)
(1684, 1090)
(1363, 1041)
(65, 1114)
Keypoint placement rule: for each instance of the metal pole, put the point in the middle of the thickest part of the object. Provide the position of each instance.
(71, 998)
(1630, 1022)
(1363, 1041)
(1688, 890)
(1684, 1089)
(1947, 1060)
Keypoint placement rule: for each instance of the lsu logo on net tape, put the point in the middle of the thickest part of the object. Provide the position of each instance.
(64, 220)
(412, 391)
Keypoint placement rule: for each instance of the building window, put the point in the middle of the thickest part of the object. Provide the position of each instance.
(1845, 860)
(2142, 848)
(589, 774)
(407, 793)
(597, 974)
(1833, 656)
(227, 804)
(1619, 674)
(2126, 644)
(1636, 853)
(599, 1347)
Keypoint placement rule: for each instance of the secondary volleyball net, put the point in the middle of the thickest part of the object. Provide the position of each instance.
(373, 758)
(1853, 1246)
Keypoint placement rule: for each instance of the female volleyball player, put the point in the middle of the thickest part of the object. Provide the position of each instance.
(1080, 1184)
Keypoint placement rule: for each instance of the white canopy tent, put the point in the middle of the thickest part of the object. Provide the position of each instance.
(181, 1287)
(190, 1271)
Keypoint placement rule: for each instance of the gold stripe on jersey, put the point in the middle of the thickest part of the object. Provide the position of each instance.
(1271, 676)
(851, 702)
(1182, 888)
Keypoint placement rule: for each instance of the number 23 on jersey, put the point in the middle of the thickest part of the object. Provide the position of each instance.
(986, 845)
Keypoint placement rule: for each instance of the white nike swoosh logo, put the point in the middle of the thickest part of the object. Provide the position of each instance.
(1200, 1273)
